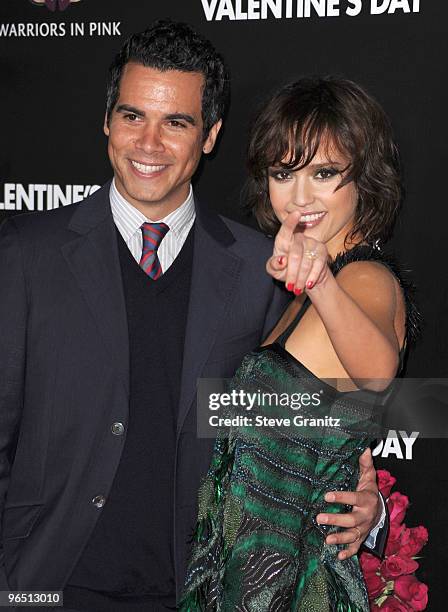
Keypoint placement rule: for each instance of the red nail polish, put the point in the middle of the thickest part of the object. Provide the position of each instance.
(280, 260)
(297, 291)
(290, 286)
(310, 284)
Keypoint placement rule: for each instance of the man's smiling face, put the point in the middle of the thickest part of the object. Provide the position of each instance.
(156, 138)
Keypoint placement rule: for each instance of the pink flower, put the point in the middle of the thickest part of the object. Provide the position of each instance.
(414, 540)
(411, 590)
(369, 563)
(392, 604)
(375, 585)
(396, 565)
(385, 482)
(397, 504)
(394, 539)
(396, 571)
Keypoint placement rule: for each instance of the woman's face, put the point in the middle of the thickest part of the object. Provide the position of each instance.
(327, 213)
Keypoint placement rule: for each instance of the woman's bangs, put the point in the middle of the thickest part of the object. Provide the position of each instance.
(304, 140)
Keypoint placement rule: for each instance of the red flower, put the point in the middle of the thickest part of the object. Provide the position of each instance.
(397, 504)
(369, 563)
(395, 575)
(385, 482)
(411, 590)
(391, 604)
(375, 585)
(415, 539)
(396, 565)
(395, 539)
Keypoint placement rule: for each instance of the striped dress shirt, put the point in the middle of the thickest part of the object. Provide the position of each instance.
(129, 221)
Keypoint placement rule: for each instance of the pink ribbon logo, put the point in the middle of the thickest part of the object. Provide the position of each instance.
(53, 5)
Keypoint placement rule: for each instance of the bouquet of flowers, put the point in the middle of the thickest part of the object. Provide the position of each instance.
(391, 583)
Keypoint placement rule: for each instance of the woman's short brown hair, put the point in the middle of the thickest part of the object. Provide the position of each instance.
(292, 125)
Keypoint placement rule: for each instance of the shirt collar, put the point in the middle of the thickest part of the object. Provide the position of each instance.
(129, 220)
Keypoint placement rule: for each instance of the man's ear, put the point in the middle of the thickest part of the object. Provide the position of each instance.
(105, 125)
(209, 142)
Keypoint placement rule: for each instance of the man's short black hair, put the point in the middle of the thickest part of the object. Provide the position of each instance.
(170, 45)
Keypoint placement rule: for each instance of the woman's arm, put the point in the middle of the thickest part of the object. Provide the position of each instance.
(357, 308)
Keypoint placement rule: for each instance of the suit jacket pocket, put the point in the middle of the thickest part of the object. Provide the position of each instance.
(19, 520)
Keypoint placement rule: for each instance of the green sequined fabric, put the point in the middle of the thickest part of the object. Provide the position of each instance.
(257, 546)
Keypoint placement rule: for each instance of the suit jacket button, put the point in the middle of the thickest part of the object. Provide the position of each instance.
(117, 429)
(99, 501)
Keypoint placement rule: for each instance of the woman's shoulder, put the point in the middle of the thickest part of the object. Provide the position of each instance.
(368, 273)
(377, 274)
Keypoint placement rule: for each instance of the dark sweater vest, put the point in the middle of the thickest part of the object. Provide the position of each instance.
(128, 560)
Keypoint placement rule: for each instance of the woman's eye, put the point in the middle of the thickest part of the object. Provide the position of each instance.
(326, 173)
(280, 175)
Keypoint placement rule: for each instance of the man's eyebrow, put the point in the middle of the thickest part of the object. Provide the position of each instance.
(126, 108)
(181, 117)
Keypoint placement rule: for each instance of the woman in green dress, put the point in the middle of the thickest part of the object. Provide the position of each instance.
(324, 176)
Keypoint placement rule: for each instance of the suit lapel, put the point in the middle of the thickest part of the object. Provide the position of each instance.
(214, 282)
(93, 259)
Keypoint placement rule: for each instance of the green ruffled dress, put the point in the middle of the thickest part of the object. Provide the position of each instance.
(257, 546)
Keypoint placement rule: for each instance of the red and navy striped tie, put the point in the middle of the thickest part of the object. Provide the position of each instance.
(152, 237)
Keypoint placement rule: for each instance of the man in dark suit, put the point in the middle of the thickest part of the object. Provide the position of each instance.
(112, 309)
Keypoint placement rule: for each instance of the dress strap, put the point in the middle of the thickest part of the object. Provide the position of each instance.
(283, 338)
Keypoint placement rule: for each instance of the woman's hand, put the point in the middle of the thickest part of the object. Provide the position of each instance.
(299, 261)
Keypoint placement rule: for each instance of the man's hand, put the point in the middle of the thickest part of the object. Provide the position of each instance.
(365, 514)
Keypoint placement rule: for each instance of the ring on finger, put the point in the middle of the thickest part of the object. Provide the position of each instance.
(310, 254)
(359, 534)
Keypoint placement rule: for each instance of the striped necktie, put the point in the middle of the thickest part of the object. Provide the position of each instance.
(152, 237)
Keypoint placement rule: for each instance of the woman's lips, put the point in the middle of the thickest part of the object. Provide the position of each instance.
(311, 219)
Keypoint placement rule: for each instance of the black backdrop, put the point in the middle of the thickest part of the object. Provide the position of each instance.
(52, 99)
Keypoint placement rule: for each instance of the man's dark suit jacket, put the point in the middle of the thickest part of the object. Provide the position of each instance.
(64, 374)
